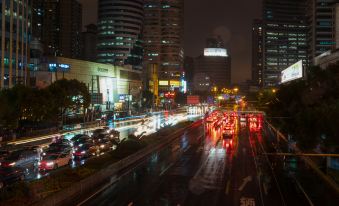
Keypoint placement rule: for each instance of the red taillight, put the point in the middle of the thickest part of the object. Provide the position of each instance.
(8, 164)
(231, 142)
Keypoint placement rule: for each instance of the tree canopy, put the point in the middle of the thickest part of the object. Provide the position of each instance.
(24, 104)
(308, 109)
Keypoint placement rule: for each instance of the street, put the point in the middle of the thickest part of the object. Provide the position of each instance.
(201, 169)
(149, 126)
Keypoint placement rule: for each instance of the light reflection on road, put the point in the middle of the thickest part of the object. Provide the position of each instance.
(148, 126)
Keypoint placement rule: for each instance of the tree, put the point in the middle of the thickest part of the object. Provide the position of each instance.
(69, 96)
(312, 108)
(147, 99)
(23, 105)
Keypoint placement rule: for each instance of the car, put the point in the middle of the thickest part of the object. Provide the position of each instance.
(228, 134)
(85, 150)
(114, 134)
(98, 138)
(56, 148)
(100, 132)
(21, 158)
(243, 118)
(78, 136)
(228, 131)
(81, 141)
(62, 141)
(55, 161)
(104, 145)
(11, 175)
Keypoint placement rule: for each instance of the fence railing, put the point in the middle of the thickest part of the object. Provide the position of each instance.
(328, 180)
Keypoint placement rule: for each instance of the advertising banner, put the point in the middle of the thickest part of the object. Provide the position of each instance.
(292, 73)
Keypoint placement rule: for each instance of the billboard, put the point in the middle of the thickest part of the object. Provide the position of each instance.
(293, 72)
(193, 99)
(215, 52)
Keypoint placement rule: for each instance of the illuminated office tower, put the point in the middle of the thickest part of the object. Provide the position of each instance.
(120, 24)
(15, 38)
(285, 37)
(163, 41)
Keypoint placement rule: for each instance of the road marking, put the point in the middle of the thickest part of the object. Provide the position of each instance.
(245, 181)
(265, 188)
(256, 169)
(187, 148)
(228, 187)
(245, 201)
(169, 166)
(112, 182)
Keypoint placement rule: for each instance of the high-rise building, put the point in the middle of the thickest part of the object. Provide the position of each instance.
(58, 24)
(189, 71)
(89, 43)
(323, 32)
(37, 18)
(257, 52)
(15, 38)
(285, 37)
(213, 68)
(120, 24)
(163, 41)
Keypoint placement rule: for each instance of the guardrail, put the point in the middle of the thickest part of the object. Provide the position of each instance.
(106, 176)
(306, 159)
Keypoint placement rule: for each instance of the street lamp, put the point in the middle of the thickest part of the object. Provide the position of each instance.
(220, 98)
(235, 90)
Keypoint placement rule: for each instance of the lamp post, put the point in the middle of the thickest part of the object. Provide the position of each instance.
(220, 98)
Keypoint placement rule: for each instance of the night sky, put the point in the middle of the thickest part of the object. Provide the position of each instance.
(232, 19)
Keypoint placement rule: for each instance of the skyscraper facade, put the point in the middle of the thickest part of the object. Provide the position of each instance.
(285, 37)
(37, 18)
(89, 43)
(120, 24)
(15, 38)
(163, 40)
(257, 53)
(213, 68)
(61, 28)
(323, 32)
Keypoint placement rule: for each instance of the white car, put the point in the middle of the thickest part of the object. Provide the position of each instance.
(54, 161)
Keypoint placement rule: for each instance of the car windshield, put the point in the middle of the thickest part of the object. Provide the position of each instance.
(14, 156)
(51, 157)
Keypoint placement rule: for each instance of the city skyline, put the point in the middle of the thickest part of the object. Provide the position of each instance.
(214, 17)
(169, 102)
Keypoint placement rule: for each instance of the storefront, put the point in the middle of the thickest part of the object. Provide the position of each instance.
(106, 83)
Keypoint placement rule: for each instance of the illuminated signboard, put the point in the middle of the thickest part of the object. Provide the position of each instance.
(163, 83)
(54, 67)
(175, 83)
(183, 86)
(293, 72)
(215, 52)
